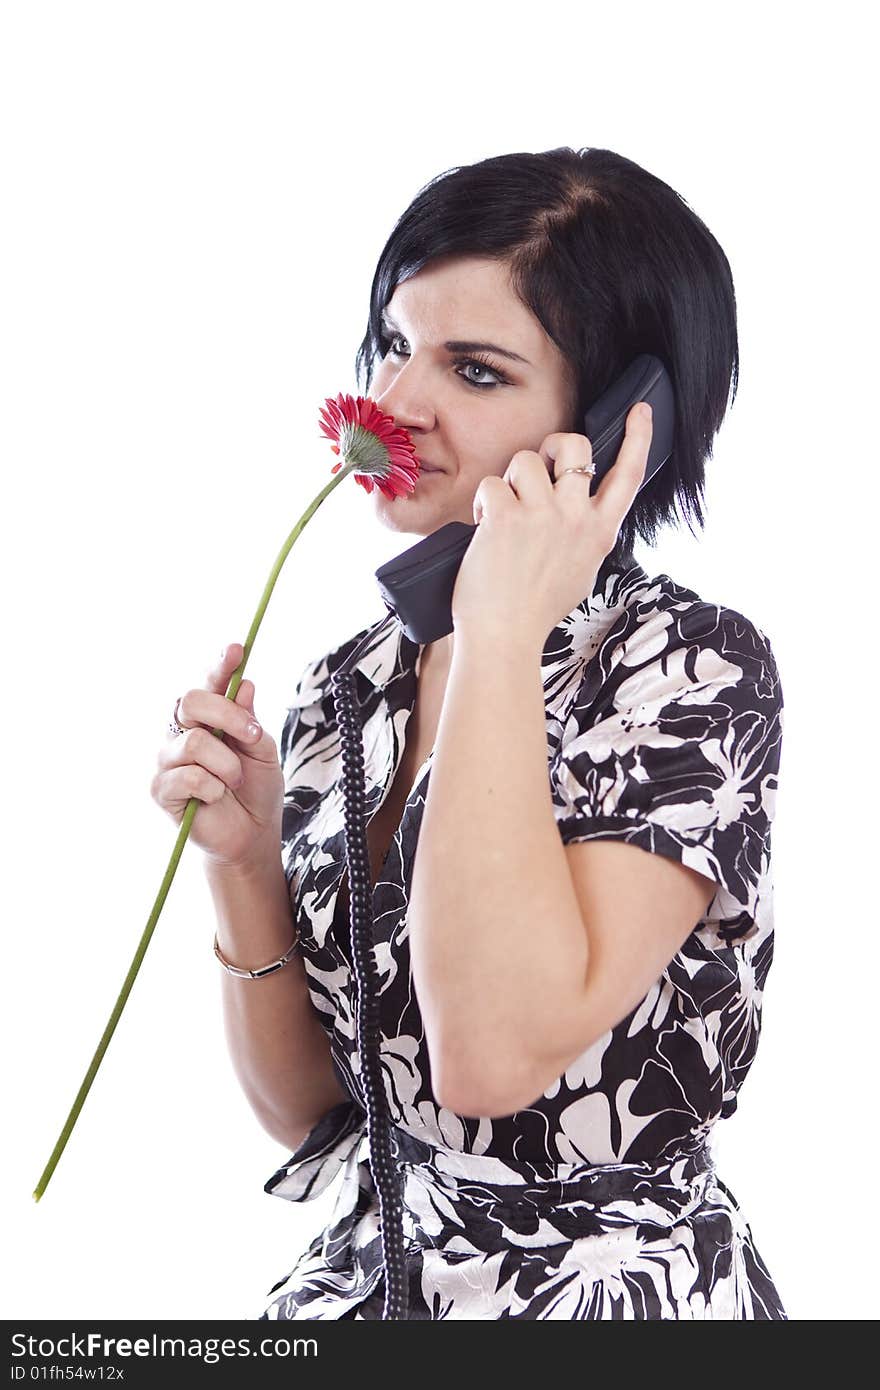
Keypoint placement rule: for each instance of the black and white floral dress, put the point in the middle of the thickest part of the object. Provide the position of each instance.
(601, 1200)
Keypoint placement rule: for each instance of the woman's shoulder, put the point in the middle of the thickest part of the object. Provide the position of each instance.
(657, 634)
(657, 604)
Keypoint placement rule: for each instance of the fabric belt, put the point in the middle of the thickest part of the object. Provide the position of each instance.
(536, 1205)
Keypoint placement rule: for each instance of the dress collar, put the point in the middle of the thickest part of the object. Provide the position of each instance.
(578, 635)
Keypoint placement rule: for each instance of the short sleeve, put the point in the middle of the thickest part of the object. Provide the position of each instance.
(678, 752)
(321, 1155)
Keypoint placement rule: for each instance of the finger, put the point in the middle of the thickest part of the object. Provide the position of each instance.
(244, 696)
(199, 748)
(617, 491)
(491, 494)
(221, 672)
(563, 451)
(214, 710)
(180, 784)
(528, 476)
(219, 676)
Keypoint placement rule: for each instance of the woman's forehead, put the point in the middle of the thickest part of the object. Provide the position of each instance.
(469, 298)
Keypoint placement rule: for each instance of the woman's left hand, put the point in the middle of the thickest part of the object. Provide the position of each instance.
(541, 537)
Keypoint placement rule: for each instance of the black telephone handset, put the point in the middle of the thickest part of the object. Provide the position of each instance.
(417, 585)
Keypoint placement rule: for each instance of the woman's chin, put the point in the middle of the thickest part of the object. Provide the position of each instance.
(413, 514)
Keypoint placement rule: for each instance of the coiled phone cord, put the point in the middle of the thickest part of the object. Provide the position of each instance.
(366, 972)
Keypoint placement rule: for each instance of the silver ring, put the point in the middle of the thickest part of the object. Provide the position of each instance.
(591, 471)
(175, 729)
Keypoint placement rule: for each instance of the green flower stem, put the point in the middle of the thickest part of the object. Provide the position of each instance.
(183, 835)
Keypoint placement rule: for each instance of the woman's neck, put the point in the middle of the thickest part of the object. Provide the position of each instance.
(438, 655)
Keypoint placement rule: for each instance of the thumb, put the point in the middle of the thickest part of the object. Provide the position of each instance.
(244, 696)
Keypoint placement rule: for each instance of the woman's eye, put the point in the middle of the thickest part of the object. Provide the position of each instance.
(388, 345)
(482, 367)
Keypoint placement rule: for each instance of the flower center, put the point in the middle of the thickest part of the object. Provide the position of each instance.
(361, 447)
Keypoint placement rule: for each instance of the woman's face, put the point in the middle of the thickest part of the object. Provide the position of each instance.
(466, 418)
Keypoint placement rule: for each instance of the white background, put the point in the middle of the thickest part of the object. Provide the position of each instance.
(195, 196)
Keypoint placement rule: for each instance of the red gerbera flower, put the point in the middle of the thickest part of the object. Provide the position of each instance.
(370, 442)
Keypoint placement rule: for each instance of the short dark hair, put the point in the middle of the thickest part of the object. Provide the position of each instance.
(612, 262)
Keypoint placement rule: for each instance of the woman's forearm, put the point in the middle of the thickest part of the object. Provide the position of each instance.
(497, 940)
(279, 1049)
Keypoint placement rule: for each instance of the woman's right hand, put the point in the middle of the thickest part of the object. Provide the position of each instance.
(238, 778)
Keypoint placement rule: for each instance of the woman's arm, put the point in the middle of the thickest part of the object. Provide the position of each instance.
(279, 1049)
(511, 985)
(497, 942)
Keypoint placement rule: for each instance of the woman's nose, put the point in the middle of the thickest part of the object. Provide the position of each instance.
(407, 401)
(411, 414)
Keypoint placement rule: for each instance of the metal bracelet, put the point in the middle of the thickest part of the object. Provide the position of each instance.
(264, 969)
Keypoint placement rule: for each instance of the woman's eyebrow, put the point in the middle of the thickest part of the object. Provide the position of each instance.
(461, 345)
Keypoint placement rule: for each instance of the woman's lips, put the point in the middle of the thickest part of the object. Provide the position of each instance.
(428, 468)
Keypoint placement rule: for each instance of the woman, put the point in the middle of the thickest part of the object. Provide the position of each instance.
(572, 964)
